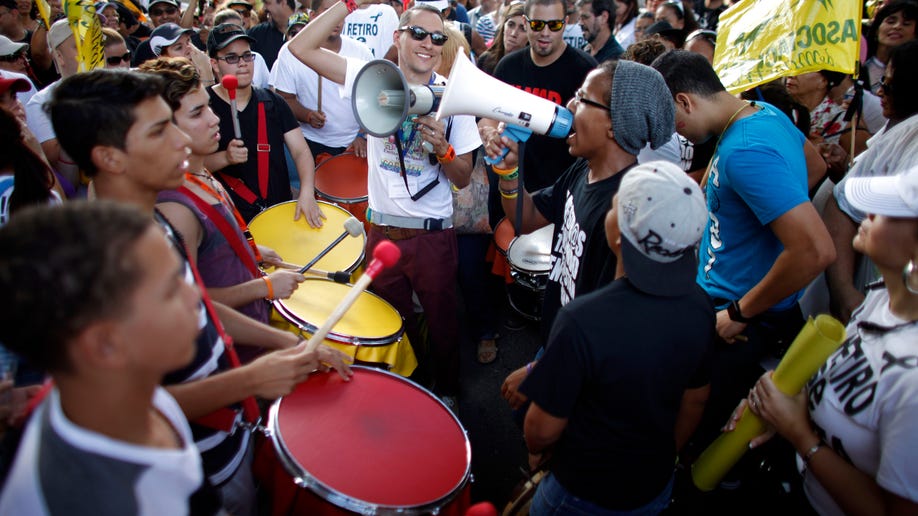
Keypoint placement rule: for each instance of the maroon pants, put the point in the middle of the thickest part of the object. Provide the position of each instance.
(427, 267)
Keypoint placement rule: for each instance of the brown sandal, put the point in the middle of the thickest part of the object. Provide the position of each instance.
(487, 351)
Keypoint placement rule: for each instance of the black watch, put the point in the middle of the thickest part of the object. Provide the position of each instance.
(733, 311)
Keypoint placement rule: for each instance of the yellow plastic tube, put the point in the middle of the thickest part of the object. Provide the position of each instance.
(818, 339)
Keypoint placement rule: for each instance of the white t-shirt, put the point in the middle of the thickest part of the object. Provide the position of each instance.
(677, 150)
(625, 35)
(62, 468)
(39, 121)
(573, 35)
(374, 25)
(292, 76)
(386, 187)
(7, 185)
(864, 402)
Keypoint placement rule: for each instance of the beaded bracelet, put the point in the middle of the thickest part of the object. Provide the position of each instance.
(509, 194)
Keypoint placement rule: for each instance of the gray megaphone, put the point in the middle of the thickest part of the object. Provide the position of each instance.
(382, 99)
(469, 91)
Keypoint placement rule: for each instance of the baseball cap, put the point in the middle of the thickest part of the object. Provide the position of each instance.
(9, 47)
(892, 196)
(58, 33)
(661, 215)
(14, 83)
(224, 34)
(439, 5)
(663, 28)
(165, 35)
(173, 3)
(298, 18)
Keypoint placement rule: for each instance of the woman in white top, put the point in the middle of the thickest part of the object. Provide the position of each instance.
(853, 426)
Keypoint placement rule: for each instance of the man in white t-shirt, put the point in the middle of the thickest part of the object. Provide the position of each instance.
(332, 128)
(373, 23)
(409, 181)
(107, 439)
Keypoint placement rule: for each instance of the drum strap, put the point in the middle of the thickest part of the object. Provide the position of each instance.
(224, 417)
(263, 149)
(248, 254)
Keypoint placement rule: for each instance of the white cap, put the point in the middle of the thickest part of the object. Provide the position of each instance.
(662, 215)
(893, 196)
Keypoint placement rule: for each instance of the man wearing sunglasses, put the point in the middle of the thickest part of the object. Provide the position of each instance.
(548, 68)
(254, 170)
(409, 183)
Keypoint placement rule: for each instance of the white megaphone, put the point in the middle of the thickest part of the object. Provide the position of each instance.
(470, 91)
(382, 98)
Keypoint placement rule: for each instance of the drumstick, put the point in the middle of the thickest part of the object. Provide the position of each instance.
(386, 254)
(230, 83)
(319, 93)
(337, 276)
(352, 227)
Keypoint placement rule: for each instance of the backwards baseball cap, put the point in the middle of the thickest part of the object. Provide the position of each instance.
(173, 3)
(9, 47)
(297, 18)
(642, 107)
(16, 84)
(165, 35)
(224, 34)
(439, 5)
(59, 33)
(661, 215)
(892, 196)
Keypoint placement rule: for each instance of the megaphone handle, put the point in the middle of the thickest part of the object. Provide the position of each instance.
(515, 133)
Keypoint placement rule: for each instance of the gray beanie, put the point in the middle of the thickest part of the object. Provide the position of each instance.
(642, 107)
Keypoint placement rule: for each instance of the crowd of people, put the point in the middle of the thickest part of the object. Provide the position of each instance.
(692, 232)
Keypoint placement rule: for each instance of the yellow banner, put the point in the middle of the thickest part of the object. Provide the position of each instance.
(87, 30)
(761, 40)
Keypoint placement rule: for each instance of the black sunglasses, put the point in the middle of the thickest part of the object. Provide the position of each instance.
(538, 25)
(419, 34)
(887, 85)
(165, 10)
(117, 60)
(232, 59)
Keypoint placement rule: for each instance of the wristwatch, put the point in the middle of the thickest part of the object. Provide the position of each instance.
(735, 314)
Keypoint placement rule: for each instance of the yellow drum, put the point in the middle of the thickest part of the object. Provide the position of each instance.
(372, 331)
(298, 243)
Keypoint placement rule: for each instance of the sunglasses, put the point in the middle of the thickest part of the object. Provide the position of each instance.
(708, 35)
(117, 60)
(538, 25)
(232, 59)
(165, 10)
(419, 34)
(579, 98)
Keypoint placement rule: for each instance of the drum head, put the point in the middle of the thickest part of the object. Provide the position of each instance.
(370, 321)
(342, 178)
(298, 243)
(378, 443)
(532, 252)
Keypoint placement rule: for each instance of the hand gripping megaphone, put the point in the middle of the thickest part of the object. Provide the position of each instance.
(470, 91)
(382, 98)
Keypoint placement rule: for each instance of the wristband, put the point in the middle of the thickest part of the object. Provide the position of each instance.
(733, 311)
(812, 451)
(351, 6)
(448, 156)
(504, 171)
(510, 177)
(509, 194)
(270, 296)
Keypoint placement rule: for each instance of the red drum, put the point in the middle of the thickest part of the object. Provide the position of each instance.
(375, 445)
(343, 181)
